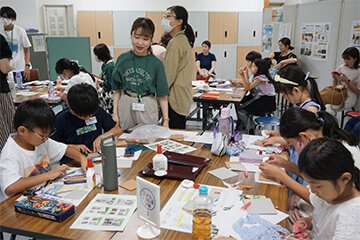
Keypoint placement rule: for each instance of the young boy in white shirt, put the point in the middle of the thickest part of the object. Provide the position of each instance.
(27, 155)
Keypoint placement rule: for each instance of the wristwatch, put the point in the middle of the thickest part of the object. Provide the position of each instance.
(27, 65)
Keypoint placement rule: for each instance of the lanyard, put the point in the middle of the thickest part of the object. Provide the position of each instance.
(11, 38)
(140, 85)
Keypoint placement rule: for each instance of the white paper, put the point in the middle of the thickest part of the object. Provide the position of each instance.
(124, 163)
(46, 96)
(27, 94)
(38, 43)
(206, 137)
(106, 212)
(251, 167)
(172, 146)
(257, 176)
(234, 159)
(186, 134)
(275, 218)
(124, 135)
(223, 173)
(250, 140)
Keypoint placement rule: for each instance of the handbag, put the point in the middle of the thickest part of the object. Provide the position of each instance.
(334, 95)
(219, 144)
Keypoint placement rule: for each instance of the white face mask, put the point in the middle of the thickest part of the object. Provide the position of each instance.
(165, 23)
(6, 21)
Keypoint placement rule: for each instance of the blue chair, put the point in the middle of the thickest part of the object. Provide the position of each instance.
(266, 121)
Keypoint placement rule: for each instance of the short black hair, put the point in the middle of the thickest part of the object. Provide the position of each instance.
(207, 43)
(102, 52)
(7, 12)
(83, 99)
(34, 114)
(287, 42)
(352, 52)
(251, 56)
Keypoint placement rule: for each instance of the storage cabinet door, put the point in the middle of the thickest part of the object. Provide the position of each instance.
(199, 22)
(257, 28)
(216, 28)
(122, 22)
(219, 54)
(245, 35)
(156, 18)
(86, 26)
(230, 28)
(104, 28)
(229, 62)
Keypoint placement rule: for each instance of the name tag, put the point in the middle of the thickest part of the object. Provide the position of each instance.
(140, 107)
(91, 120)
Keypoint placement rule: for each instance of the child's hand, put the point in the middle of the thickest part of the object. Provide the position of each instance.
(277, 160)
(242, 72)
(57, 171)
(96, 144)
(271, 171)
(81, 148)
(83, 162)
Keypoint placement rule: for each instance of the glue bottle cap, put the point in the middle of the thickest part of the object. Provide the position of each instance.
(89, 163)
(159, 149)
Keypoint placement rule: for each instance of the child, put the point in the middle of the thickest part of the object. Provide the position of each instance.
(17, 39)
(335, 190)
(139, 80)
(30, 145)
(71, 71)
(82, 125)
(249, 58)
(102, 54)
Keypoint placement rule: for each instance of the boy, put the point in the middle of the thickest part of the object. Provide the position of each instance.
(27, 154)
(17, 39)
(84, 122)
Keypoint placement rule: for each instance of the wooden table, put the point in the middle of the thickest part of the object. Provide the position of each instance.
(40, 90)
(13, 222)
(209, 104)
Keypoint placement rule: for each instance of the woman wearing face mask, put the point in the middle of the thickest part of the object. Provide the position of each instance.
(285, 57)
(178, 64)
(102, 54)
(17, 39)
(71, 71)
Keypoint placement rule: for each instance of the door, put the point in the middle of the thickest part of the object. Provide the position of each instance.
(229, 61)
(230, 30)
(216, 28)
(219, 54)
(104, 28)
(199, 22)
(245, 36)
(86, 26)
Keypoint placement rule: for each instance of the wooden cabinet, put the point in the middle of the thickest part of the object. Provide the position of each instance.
(97, 25)
(156, 18)
(223, 27)
(250, 25)
(241, 53)
(200, 24)
(122, 22)
(225, 61)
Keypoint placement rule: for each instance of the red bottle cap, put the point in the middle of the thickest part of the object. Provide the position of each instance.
(196, 185)
(89, 163)
(159, 149)
(260, 152)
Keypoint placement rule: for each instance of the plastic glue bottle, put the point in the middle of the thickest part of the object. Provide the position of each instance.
(160, 163)
(90, 174)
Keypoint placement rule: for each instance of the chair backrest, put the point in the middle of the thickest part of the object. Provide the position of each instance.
(34, 74)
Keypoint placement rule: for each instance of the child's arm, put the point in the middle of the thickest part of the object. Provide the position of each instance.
(117, 95)
(77, 156)
(25, 183)
(116, 131)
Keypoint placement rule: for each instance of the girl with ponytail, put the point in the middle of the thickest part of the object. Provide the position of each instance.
(178, 64)
(335, 190)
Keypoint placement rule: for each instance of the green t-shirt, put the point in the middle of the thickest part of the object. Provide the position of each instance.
(140, 74)
(106, 74)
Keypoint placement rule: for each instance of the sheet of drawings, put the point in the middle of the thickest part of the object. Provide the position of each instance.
(172, 146)
(107, 212)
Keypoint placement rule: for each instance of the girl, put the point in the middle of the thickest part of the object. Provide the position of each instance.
(348, 74)
(102, 54)
(335, 190)
(71, 71)
(262, 83)
(139, 80)
(285, 57)
(178, 64)
(205, 62)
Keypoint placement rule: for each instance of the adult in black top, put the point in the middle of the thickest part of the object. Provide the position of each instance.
(285, 56)
(205, 62)
(7, 108)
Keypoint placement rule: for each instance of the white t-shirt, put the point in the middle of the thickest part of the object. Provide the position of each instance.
(16, 162)
(158, 51)
(17, 40)
(355, 152)
(335, 221)
(354, 76)
(78, 79)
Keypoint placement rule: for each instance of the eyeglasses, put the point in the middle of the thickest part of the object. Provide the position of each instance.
(167, 16)
(42, 138)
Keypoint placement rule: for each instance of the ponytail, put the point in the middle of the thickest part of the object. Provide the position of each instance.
(189, 32)
(314, 93)
(181, 13)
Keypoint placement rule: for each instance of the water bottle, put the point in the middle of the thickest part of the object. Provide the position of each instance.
(12, 84)
(51, 90)
(18, 79)
(225, 122)
(109, 164)
(201, 229)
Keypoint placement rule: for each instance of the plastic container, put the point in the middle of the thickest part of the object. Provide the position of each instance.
(18, 80)
(51, 90)
(201, 229)
(90, 174)
(160, 162)
(12, 85)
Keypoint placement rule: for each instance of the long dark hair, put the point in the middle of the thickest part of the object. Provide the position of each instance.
(263, 68)
(352, 52)
(102, 52)
(181, 13)
(287, 42)
(328, 159)
(65, 64)
(295, 74)
(296, 120)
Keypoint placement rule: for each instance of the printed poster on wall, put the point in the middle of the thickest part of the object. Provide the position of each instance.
(355, 34)
(277, 14)
(285, 30)
(314, 40)
(267, 36)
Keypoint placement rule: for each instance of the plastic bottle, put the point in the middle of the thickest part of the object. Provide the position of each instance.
(160, 162)
(18, 79)
(12, 84)
(201, 229)
(58, 81)
(90, 174)
(51, 90)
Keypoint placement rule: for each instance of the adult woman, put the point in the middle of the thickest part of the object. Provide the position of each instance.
(71, 71)
(205, 62)
(348, 75)
(178, 64)
(285, 56)
(102, 54)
